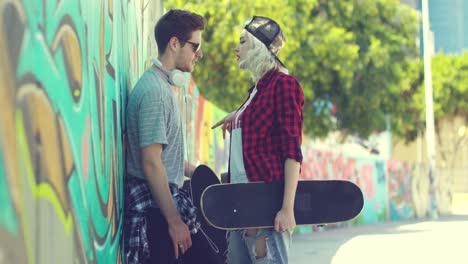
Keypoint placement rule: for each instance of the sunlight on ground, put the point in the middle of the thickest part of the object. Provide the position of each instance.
(460, 203)
(427, 242)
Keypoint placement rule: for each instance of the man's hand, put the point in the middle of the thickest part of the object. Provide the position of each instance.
(285, 220)
(180, 235)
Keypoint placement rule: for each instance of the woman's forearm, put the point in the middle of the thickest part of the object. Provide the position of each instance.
(291, 175)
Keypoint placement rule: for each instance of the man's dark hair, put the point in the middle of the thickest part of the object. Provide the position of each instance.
(176, 23)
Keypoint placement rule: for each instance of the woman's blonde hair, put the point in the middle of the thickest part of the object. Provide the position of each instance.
(259, 60)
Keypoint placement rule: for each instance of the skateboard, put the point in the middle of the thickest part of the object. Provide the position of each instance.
(202, 178)
(254, 205)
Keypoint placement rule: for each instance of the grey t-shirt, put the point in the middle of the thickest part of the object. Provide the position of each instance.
(153, 117)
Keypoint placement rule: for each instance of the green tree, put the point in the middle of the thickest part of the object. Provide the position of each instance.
(408, 116)
(450, 78)
(450, 100)
(385, 33)
(354, 53)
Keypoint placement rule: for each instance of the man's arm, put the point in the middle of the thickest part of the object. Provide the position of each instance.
(157, 178)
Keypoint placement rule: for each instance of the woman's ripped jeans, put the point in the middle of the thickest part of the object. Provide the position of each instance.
(260, 246)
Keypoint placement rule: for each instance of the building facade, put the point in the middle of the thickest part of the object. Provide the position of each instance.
(448, 22)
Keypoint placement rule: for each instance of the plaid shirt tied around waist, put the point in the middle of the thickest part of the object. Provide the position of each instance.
(138, 200)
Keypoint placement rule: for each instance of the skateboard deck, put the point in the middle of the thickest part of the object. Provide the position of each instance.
(202, 178)
(254, 205)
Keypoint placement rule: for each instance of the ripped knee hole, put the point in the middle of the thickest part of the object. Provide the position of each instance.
(260, 248)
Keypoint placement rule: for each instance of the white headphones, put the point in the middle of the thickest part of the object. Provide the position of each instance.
(176, 77)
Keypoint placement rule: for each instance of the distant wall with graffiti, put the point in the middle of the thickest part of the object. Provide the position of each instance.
(393, 190)
(66, 67)
(205, 145)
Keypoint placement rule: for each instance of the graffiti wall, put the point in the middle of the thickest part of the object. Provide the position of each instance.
(368, 174)
(205, 145)
(393, 190)
(400, 205)
(66, 67)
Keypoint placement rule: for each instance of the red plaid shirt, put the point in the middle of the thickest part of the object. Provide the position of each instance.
(272, 127)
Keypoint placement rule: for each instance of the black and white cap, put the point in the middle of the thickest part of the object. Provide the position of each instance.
(269, 33)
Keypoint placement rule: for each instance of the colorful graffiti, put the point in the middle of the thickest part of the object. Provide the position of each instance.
(400, 204)
(393, 190)
(66, 69)
(368, 174)
(205, 146)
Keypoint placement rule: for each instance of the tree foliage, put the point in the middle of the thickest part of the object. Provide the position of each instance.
(450, 79)
(361, 55)
(450, 94)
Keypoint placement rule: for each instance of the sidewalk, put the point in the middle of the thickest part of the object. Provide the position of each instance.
(413, 241)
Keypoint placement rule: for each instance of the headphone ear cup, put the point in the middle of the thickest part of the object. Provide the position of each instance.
(177, 78)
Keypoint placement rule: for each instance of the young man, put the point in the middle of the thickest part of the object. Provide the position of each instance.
(155, 229)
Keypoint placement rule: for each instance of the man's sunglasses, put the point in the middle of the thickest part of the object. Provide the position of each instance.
(195, 46)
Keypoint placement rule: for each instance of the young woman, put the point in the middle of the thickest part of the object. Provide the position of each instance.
(266, 137)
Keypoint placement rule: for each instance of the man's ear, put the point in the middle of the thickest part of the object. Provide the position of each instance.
(173, 43)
